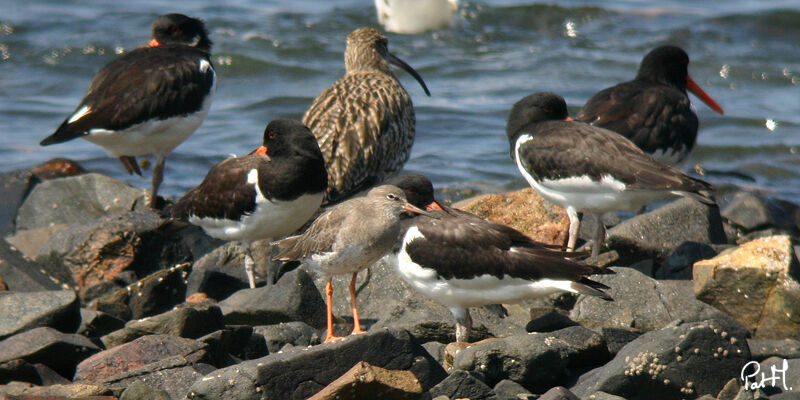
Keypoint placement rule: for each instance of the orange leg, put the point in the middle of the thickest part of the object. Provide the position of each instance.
(328, 306)
(356, 322)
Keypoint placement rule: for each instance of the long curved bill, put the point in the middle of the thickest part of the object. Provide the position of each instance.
(416, 210)
(402, 64)
(693, 87)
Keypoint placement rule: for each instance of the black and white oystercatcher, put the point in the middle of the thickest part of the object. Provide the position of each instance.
(349, 237)
(150, 100)
(266, 194)
(364, 122)
(461, 260)
(653, 110)
(584, 168)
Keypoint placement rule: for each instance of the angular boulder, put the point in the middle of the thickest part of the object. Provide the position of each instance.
(299, 373)
(59, 351)
(25, 310)
(757, 284)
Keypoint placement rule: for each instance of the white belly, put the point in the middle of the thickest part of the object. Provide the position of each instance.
(414, 16)
(270, 220)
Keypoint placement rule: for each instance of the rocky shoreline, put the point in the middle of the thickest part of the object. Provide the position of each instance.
(99, 299)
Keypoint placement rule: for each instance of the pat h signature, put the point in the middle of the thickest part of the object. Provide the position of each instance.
(753, 378)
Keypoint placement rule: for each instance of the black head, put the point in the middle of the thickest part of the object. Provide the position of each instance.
(665, 64)
(418, 189)
(180, 29)
(284, 137)
(538, 107)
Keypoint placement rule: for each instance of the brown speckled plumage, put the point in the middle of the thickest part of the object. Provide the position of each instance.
(364, 122)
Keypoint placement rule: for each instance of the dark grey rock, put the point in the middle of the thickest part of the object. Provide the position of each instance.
(173, 376)
(658, 233)
(293, 298)
(146, 350)
(549, 322)
(606, 396)
(22, 275)
(138, 390)
(19, 370)
(98, 323)
(617, 338)
(558, 393)
(761, 349)
(436, 350)
(185, 321)
(97, 250)
(508, 389)
(643, 303)
(26, 310)
(78, 199)
(299, 373)
(288, 334)
(240, 342)
(686, 360)
(461, 384)
(787, 374)
(219, 273)
(14, 187)
(747, 212)
(59, 351)
(679, 264)
(520, 357)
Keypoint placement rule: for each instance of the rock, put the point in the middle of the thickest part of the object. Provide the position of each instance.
(22, 275)
(436, 350)
(461, 384)
(98, 323)
(186, 321)
(757, 284)
(606, 396)
(617, 338)
(549, 322)
(59, 351)
(96, 252)
(138, 390)
(523, 210)
(786, 373)
(237, 341)
(729, 391)
(23, 371)
(219, 273)
(288, 334)
(55, 392)
(642, 303)
(520, 357)
(21, 311)
(747, 212)
(173, 375)
(761, 349)
(658, 233)
(679, 264)
(78, 199)
(15, 186)
(137, 354)
(365, 381)
(558, 393)
(508, 389)
(293, 298)
(153, 294)
(686, 360)
(298, 373)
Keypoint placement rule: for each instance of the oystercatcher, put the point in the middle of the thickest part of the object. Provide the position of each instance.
(584, 168)
(266, 194)
(150, 100)
(364, 122)
(461, 260)
(349, 237)
(653, 110)
(415, 16)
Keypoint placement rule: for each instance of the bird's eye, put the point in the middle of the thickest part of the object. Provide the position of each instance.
(272, 135)
(391, 196)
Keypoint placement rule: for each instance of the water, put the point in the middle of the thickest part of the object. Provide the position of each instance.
(273, 57)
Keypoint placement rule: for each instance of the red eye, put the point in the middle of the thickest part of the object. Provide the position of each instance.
(272, 135)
